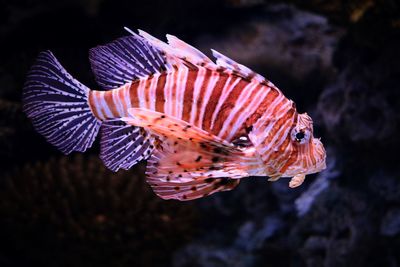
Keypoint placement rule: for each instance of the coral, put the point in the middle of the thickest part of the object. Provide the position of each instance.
(73, 212)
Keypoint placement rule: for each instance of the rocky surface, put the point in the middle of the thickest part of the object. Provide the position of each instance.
(338, 60)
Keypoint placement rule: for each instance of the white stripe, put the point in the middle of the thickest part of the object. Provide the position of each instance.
(196, 90)
(307, 156)
(210, 88)
(260, 130)
(97, 105)
(250, 109)
(104, 105)
(225, 93)
(278, 134)
(285, 128)
(127, 98)
(117, 101)
(141, 93)
(283, 161)
(168, 92)
(152, 91)
(243, 97)
(181, 86)
(268, 147)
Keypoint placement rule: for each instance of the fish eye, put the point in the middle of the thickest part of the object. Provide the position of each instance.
(242, 141)
(300, 136)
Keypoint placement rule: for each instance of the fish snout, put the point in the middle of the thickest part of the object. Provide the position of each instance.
(320, 155)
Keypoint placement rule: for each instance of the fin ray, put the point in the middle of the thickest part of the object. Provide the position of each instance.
(58, 106)
(191, 53)
(123, 146)
(240, 69)
(124, 60)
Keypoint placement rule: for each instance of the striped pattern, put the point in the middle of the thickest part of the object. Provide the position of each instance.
(122, 145)
(171, 104)
(124, 60)
(224, 98)
(216, 101)
(309, 156)
(219, 102)
(57, 105)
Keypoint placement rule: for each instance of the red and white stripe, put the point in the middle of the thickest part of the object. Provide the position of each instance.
(219, 102)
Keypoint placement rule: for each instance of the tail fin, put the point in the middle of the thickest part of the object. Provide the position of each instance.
(58, 106)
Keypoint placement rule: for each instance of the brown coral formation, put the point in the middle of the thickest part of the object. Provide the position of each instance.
(84, 214)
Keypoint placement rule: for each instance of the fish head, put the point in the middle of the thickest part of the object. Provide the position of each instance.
(308, 154)
(292, 150)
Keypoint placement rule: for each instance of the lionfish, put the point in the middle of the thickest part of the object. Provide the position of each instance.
(201, 125)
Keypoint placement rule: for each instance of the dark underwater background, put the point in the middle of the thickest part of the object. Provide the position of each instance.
(338, 60)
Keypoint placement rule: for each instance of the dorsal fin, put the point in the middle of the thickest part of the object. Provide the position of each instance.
(168, 51)
(191, 53)
(140, 55)
(178, 50)
(125, 59)
(245, 72)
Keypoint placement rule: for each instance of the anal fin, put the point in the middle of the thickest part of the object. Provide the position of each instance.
(123, 145)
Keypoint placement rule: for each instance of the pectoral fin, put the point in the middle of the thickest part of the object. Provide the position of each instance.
(189, 162)
(185, 170)
(166, 126)
(297, 180)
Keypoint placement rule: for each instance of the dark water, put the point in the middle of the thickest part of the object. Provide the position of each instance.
(339, 61)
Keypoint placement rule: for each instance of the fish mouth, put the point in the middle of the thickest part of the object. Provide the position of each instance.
(318, 166)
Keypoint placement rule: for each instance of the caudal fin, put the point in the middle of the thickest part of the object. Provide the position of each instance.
(58, 106)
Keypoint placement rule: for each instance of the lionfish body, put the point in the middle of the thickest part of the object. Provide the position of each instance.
(201, 125)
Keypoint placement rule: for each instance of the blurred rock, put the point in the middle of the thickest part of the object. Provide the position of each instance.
(290, 47)
(391, 223)
(386, 185)
(243, 3)
(18, 140)
(363, 105)
(243, 251)
(320, 184)
(334, 231)
(339, 12)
